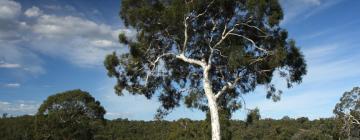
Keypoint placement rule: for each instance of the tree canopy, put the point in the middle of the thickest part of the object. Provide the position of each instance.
(348, 113)
(253, 116)
(22, 128)
(206, 53)
(73, 114)
(242, 40)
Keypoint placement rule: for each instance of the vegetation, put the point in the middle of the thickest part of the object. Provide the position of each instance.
(75, 114)
(72, 114)
(185, 129)
(205, 53)
(348, 113)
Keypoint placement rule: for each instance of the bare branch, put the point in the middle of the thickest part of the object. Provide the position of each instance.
(185, 34)
(254, 28)
(227, 87)
(220, 53)
(252, 41)
(203, 13)
(353, 119)
(223, 37)
(191, 61)
(212, 31)
(224, 31)
(153, 64)
(258, 60)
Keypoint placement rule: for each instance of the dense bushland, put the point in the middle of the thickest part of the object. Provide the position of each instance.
(23, 127)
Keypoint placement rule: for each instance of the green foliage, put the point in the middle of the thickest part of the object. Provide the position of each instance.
(347, 112)
(17, 128)
(310, 135)
(349, 103)
(253, 116)
(23, 127)
(71, 114)
(255, 48)
(226, 132)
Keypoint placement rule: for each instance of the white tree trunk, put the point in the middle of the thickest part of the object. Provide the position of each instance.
(215, 124)
(214, 112)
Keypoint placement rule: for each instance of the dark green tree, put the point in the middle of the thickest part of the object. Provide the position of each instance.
(71, 114)
(4, 115)
(253, 116)
(207, 53)
(348, 112)
(311, 135)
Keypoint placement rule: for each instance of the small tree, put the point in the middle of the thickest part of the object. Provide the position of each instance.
(5, 115)
(72, 114)
(207, 53)
(348, 111)
(253, 116)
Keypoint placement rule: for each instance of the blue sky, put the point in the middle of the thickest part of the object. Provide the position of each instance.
(49, 46)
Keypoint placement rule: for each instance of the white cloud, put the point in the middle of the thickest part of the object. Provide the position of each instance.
(19, 107)
(114, 115)
(4, 103)
(9, 9)
(9, 65)
(53, 7)
(76, 39)
(68, 26)
(296, 10)
(12, 85)
(14, 33)
(330, 62)
(330, 72)
(314, 2)
(299, 103)
(33, 12)
(26, 61)
(103, 43)
(80, 41)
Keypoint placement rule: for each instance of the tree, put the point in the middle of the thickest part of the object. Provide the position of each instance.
(207, 53)
(4, 115)
(348, 111)
(311, 135)
(253, 116)
(71, 114)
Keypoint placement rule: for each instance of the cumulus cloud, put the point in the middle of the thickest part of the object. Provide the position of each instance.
(9, 9)
(68, 26)
(33, 12)
(78, 40)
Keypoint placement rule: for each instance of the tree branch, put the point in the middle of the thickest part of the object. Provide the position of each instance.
(185, 34)
(207, 7)
(252, 41)
(254, 28)
(223, 37)
(153, 64)
(190, 60)
(227, 87)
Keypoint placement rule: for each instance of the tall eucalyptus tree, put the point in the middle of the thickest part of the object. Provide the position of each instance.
(207, 53)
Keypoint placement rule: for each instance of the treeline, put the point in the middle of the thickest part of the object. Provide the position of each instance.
(24, 128)
(76, 115)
